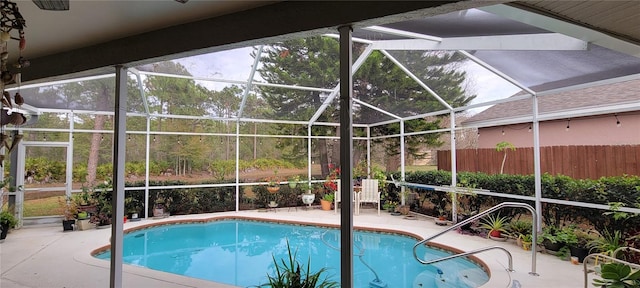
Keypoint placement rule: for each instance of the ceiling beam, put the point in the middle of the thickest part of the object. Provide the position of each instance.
(564, 27)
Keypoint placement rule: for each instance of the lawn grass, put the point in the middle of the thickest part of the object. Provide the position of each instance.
(49, 206)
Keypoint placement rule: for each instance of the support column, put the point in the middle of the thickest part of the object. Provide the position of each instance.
(536, 161)
(238, 166)
(454, 169)
(403, 188)
(147, 169)
(309, 162)
(69, 175)
(368, 152)
(14, 204)
(117, 202)
(346, 161)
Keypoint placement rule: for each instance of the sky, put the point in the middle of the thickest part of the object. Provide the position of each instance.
(236, 65)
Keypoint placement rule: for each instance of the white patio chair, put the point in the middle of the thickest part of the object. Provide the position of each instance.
(370, 193)
(336, 200)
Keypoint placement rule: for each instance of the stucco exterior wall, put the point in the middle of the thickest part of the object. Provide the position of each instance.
(599, 130)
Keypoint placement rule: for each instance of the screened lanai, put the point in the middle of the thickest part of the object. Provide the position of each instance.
(497, 57)
(511, 54)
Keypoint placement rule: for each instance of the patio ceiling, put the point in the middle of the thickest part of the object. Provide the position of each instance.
(523, 42)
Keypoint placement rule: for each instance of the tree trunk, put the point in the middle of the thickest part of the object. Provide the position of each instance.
(96, 138)
(94, 151)
(324, 159)
(393, 163)
(255, 141)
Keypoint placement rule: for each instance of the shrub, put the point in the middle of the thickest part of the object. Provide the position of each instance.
(624, 190)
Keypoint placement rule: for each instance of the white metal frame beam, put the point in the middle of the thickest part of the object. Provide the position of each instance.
(356, 65)
(402, 33)
(547, 41)
(418, 80)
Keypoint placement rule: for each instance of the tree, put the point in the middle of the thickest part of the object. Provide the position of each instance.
(379, 82)
(383, 84)
(309, 62)
(504, 146)
(178, 96)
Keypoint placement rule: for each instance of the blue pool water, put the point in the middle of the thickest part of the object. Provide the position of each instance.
(239, 252)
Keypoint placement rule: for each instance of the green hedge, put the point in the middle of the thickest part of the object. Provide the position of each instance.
(623, 189)
(181, 201)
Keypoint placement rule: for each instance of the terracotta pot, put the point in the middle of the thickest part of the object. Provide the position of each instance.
(326, 205)
(273, 189)
(495, 234)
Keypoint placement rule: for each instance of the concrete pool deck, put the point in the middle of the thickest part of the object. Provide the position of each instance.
(44, 256)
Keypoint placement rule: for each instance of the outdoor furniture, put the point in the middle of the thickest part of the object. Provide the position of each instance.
(370, 193)
(356, 200)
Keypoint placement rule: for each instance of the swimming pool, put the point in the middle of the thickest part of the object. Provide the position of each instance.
(239, 252)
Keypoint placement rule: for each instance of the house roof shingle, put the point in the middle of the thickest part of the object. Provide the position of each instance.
(609, 94)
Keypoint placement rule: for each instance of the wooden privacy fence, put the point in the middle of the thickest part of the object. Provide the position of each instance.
(579, 162)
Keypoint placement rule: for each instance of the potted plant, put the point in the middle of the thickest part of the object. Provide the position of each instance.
(102, 219)
(274, 183)
(526, 241)
(404, 209)
(517, 228)
(70, 210)
(330, 186)
(578, 242)
(326, 201)
(554, 238)
(133, 207)
(442, 218)
(159, 208)
(390, 206)
(607, 244)
(293, 181)
(308, 197)
(617, 275)
(7, 221)
(496, 226)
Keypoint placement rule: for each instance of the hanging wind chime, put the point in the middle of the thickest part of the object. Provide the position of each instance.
(10, 21)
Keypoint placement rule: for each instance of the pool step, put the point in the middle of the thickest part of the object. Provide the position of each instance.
(461, 278)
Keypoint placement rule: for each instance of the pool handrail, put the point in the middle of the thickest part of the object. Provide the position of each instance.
(603, 256)
(534, 234)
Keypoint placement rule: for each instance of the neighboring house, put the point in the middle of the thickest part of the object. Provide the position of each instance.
(616, 124)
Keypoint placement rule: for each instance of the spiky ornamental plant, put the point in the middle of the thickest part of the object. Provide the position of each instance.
(289, 274)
